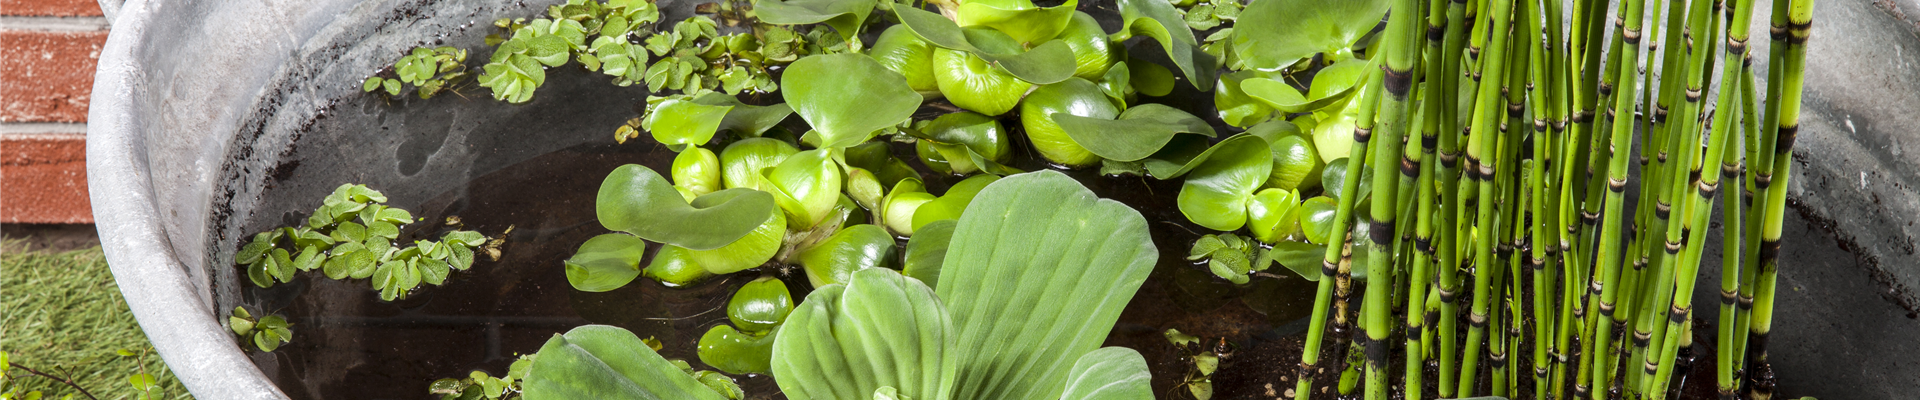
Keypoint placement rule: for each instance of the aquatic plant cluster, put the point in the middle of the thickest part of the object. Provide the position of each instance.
(1338, 143)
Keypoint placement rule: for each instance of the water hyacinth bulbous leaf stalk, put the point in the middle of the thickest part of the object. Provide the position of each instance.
(639, 201)
(848, 251)
(1076, 97)
(847, 98)
(903, 52)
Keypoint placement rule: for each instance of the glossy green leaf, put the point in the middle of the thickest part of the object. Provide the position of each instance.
(1038, 238)
(1076, 97)
(1118, 84)
(742, 161)
(760, 305)
(678, 122)
(1020, 19)
(730, 350)
(1109, 373)
(1339, 79)
(806, 186)
(927, 250)
(1272, 216)
(1304, 259)
(605, 262)
(1046, 63)
(1149, 78)
(880, 329)
(1316, 218)
(1137, 133)
(1295, 164)
(746, 120)
(845, 16)
(1215, 194)
(903, 52)
(850, 250)
(847, 98)
(1336, 171)
(1159, 20)
(953, 203)
(1333, 136)
(753, 249)
(980, 133)
(1235, 104)
(1279, 95)
(1093, 53)
(1273, 34)
(637, 200)
(599, 361)
(673, 267)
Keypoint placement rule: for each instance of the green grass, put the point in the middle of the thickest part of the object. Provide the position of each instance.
(60, 313)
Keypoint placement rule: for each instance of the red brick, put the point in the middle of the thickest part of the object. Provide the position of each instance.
(43, 179)
(54, 8)
(47, 76)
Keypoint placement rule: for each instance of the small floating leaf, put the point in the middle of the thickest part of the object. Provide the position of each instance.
(636, 200)
(605, 262)
(1215, 195)
(847, 98)
(1136, 134)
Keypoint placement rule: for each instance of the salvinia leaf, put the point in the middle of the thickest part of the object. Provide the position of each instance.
(1273, 34)
(1137, 133)
(637, 200)
(847, 98)
(599, 361)
(1038, 238)
(1047, 63)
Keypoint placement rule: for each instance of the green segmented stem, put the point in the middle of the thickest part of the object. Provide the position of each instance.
(1449, 153)
(1402, 55)
(1610, 257)
(1482, 160)
(1800, 20)
(1338, 259)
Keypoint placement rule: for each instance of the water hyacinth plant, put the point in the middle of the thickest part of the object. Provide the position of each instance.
(1334, 148)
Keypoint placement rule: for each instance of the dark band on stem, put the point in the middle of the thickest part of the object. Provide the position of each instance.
(1499, 360)
(1707, 189)
(1409, 167)
(1446, 296)
(1477, 320)
(1589, 218)
(1430, 140)
(1729, 297)
(1449, 160)
(1673, 248)
(1731, 170)
(1746, 302)
(1677, 314)
(1328, 268)
(1616, 185)
(1662, 210)
(1736, 46)
(1437, 33)
(1540, 372)
(1381, 232)
(1769, 250)
(1786, 135)
(1632, 37)
(1515, 110)
(1376, 351)
(1641, 338)
(1762, 179)
(1693, 95)
(1398, 82)
(1360, 135)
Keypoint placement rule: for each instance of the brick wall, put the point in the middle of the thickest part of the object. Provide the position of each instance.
(48, 49)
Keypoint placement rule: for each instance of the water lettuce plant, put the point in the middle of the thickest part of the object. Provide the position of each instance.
(1036, 238)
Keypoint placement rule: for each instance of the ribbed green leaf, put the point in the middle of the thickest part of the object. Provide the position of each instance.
(927, 250)
(604, 362)
(1107, 374)
(879, 330)
(847, 98)
(1033, 239)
